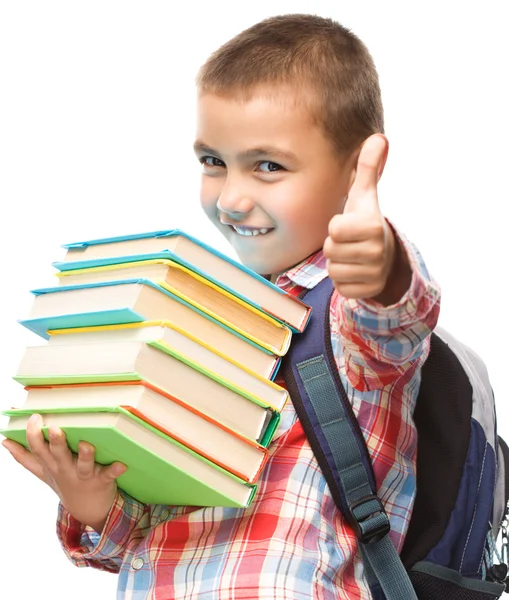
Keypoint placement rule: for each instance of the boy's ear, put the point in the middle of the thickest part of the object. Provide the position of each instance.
(355, 158)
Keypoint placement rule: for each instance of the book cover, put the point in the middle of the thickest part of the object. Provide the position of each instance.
(160, 469)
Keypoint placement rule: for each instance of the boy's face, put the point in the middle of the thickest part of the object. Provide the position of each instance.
(271, 180)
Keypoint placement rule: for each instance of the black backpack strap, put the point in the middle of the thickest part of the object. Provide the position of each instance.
(327, 418)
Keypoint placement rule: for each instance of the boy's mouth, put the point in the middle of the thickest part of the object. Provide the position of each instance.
(251, 231)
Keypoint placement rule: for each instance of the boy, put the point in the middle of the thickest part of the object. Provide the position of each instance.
(290, 138)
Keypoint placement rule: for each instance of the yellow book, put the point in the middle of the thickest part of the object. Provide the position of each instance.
(178, 340)
(124, 298)
(206, 332)
(195, 289)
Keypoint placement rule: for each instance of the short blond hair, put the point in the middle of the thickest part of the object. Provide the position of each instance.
(318, 58)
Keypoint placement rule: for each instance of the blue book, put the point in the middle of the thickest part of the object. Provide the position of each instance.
(131, 301)
(191, 253)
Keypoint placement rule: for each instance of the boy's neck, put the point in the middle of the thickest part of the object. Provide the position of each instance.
(273, 278)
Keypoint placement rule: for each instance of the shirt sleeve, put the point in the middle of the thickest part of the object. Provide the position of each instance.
(86, 548)
(380, 343)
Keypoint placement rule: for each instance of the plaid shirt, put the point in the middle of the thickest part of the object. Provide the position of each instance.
(291, 543)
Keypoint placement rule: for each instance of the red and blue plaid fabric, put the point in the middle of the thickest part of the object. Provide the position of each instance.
(291, 543)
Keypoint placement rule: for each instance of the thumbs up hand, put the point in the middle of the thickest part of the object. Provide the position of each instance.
(361, 249)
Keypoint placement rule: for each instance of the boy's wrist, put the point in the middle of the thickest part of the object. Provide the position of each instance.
(93, 517)
(400, 272)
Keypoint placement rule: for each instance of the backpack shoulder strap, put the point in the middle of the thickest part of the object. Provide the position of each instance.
(327, 418)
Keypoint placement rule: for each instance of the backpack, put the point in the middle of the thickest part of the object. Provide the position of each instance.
(461, 505)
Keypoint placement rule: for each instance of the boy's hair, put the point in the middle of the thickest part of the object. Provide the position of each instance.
(322, 61)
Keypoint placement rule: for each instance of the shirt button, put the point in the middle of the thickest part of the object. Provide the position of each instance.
(137, 563)
(164, 515)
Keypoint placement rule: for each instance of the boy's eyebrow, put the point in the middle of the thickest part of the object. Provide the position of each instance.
(199, 146)
(272, 151)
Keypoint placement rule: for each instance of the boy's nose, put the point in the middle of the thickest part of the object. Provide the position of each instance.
(234, 205)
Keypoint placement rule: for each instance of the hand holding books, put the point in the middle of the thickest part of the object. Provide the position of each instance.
(85, 488)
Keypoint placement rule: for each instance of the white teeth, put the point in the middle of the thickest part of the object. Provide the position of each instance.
(250, 232)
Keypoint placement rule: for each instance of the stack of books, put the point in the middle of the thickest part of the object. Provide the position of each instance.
(161, 352)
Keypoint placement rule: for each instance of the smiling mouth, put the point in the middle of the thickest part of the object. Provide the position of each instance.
(251, 231)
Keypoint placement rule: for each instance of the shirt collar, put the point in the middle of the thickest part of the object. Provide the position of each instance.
(307, 274)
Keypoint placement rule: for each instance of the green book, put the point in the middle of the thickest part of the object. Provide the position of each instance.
(160, 469)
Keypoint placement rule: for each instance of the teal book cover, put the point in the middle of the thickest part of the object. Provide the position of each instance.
(169, 254)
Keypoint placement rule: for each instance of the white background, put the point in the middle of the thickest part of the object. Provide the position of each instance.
(96, 128)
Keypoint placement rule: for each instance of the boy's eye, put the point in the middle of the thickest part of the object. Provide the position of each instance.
(211, 161)
(268, 166)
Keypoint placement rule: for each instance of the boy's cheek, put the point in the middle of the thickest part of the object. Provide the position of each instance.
(209, 194)
(209, 210)
(209, 206)
(208, 203)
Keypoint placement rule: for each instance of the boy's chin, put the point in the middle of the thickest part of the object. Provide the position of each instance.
(266, 263)
(263, 268)
(268, 269)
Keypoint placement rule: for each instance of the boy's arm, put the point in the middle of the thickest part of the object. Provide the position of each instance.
(386, 303)
(105, 551)
(380, 342)
(89, 493)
